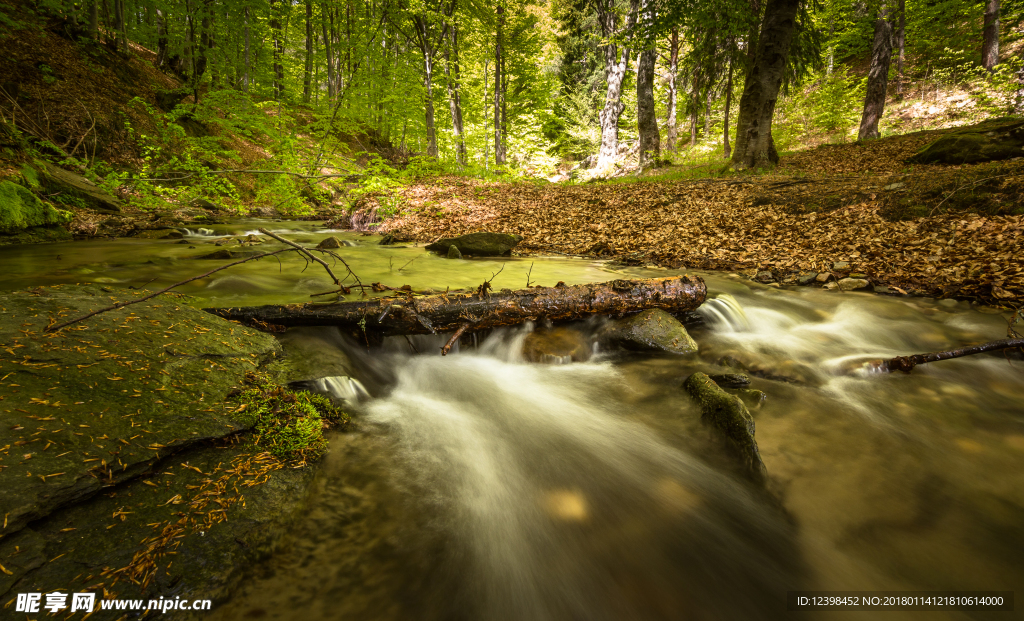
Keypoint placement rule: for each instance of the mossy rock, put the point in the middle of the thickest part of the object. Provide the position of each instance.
(652, 329)
(21, 209)
(115, 394)
(995, 139)
(479, 244)
(74, 189)
(730, 418)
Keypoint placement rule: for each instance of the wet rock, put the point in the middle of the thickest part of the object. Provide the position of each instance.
(806, 279)
(556, 346)
(652, 329)
(882, 289)
(995, 139)
(153, 375)
(841, 265)
(829, 286)
(731, 380)
(387, 240)
(224, 254)
(752, 397)
(329, 243)
(453, 252)
(852, 284)
(479, 244)
(202, 203)
(729, 416)
(764, 365)
(764, 277)
(173, 235)
(823, 277)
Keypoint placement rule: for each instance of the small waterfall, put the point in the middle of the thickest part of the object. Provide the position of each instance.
(725, 313)
(197, 232)
(342, 387)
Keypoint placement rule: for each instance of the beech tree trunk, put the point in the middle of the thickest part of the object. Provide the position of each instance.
(478, 311)
(328, 50)
(615, 65)
(278, 45)
(990, 42)
(246, 75)
(878, 76)
(307, 70)
(754, 144)
(672, 129)
(901, 40)
(647, 121)
(499, 66)
(727, 148)
(454, 97)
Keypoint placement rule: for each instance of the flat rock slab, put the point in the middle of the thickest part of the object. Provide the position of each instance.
(162, 535)
(479, 244)
(100, 402)
(60, 181)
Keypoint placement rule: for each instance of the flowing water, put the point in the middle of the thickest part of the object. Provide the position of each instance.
(483, 486)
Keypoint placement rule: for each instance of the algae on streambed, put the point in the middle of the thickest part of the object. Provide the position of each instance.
(101, 406)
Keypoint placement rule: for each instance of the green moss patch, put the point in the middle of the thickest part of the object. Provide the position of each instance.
(21, 209)
(288, 424)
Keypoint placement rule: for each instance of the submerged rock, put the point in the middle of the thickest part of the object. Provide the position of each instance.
(652, 329)
(727, 414)
(731, 380)
(556, 346)
(329, 243)
(479, 244)
(229, 254)
(752, 397)
(453, 252)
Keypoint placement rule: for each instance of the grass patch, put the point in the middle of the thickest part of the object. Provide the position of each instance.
(288, 424)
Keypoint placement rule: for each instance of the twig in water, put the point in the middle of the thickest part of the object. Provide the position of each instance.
(455, 337)
(305, 253)
(907, 363)
(530, 271)
(407, 263)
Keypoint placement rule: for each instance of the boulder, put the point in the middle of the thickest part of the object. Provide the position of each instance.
(228, 254)
(21, 209)
(74, 187)
(652, 329)
(329, 243)
(479, 244)
(453, 252)
(731, 380)
(995, 139)
(731, 419)
(556, 346)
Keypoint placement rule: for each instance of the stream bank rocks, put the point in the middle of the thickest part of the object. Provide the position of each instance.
(479, 244)
(102, 406)
(730, 417)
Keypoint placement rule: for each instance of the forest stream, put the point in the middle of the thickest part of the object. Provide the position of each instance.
(481, 485)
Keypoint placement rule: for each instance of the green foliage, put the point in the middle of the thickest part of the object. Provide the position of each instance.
(835, 103)
(288, 424)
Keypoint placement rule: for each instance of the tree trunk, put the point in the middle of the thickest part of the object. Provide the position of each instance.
(727, 149)
(673, 94)
(990, 43)
(615, 66)
(328, 51)
(246, 76)
(161, 38)
(307, 73)
(499, 144)
(454, 97)
(646, 120)
(428, 81)
(754, 144)
(878, 76)
(278, 44)
(94, 21)
(450, 312)
(901, 40)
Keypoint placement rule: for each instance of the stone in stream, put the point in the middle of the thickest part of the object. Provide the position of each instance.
(479, 244)
(229, 254)
(731, 380)
(727, 414)
(652, 329)
(556, 346)
(454, 252)
(806, 279)
(853, 284)
(329, 243)
(752, 397)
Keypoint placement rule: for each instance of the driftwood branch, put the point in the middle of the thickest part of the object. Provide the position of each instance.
(455, 337)
(907, 363)
(305, 253)
(55, 327)
(447, 312)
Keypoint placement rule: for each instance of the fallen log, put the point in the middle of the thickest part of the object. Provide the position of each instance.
(483, 309)
(907, 363)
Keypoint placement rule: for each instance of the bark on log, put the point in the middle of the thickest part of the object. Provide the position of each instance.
(482, 310)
